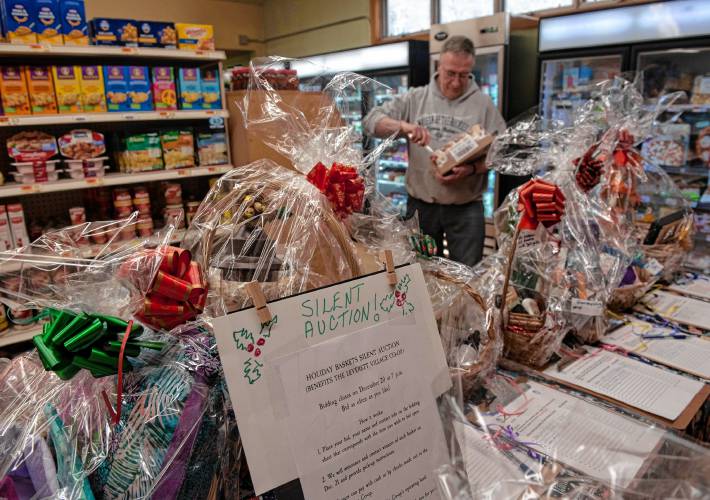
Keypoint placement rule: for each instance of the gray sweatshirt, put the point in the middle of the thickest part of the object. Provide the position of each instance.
(445, 119)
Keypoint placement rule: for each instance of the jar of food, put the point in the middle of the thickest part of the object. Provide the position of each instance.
(175, 212)
(128, 232)
(122, 203)
(191, 210)
(173, 193)
(145, 226)
(141, 200)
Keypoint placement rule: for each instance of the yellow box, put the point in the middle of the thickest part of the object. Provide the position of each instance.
(67, 88)
(195, 36)
(93, 95)
(41, 90)
(13, 90)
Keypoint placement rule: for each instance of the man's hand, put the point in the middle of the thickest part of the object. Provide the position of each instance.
(456, 174)
(416, 133)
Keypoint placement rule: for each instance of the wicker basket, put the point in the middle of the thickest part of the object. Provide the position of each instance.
(626, 297)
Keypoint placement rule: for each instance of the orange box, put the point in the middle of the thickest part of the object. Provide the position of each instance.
(13, 90)
(41, 90)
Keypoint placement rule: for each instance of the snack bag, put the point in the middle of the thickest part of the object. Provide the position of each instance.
(68, 88)
(49, 22)
(189, 88)
(13, 91)
(210, 86)
(164, 94)
(18, 20)
(195, 36)
(116, 83)
(178, 149)
(73, 19)
(139, 89)
(41, 90)
(92, 89)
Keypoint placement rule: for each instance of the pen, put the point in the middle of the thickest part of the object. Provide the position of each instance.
(678, 336)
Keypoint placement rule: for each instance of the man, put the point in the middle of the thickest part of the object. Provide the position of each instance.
(434, 114)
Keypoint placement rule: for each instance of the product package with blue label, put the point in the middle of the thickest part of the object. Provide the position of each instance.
(116, 84)
(210, 88)
(139, 91)
(189, 88)
(73, 20)
(18, 20)
(107, 31)
(48, 24)
(157, 34)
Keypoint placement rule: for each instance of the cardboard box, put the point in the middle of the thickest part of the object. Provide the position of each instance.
(211, 89)
(107, 31)
(178, 148)
(116, 85)
(93, 96)
(5, 233)
(74, 28)
(189, 88)
(141, 152)
(18, 228)
(67, 88)
(49, 22)
(195, 36)
(157, 34)
(164, 93)
(18, 20)
(41, 90)
(468, 147)
(139, 91)
(13, 91)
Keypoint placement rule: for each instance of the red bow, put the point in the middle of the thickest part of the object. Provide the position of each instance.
(178, 293)
(624, 152)
(342, 185)
(589, 169)
(540, 202)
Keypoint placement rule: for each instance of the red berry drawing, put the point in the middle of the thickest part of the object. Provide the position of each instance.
(250, 347)
(260, 342)
(257, 353)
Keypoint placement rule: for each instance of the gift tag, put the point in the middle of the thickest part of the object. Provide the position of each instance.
(654, 267)
(587, 307)
(464, 147)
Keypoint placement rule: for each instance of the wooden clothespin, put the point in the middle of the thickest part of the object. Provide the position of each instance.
(388, 261)
(259, 299)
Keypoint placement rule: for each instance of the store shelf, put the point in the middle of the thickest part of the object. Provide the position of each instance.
(36, 120)
(15, 336)
(7, 49)
(117, 179)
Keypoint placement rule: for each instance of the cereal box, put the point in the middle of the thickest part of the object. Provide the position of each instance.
(18, 20)
(105, 31)
(48, 24)
(5, 234)
(74, 29)
(164, 95)
(67, 88)
(13, 90)
(210, 86)
(93, 97)
(190, 91)
(41, 90)
(178, 148)
(156, 34)
(139, 92)
(195, 36)
(116, 84)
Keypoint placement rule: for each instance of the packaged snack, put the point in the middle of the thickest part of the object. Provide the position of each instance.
(669, 146)
(211, 87)
(141, 153)
(18, 228)
(189, 88)
(31, 145)
(18, 20)
(178, 149)
(41, 90)
(13, 91)
(48, 25)
(195, 36)
(5, 234)
(116, 83)
(106, 31)
(469, 146)
(92, 89)
(82, 144)
(139, 95)
(212, 148)
(164, 94)
(167, 35)
(67, 88)
(73, 20)
(156, 34)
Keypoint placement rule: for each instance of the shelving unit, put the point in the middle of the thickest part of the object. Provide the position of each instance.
(39, 120)
(38, 49)
(16, 336)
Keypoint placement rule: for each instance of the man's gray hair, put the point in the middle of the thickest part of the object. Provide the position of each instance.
(458, 45)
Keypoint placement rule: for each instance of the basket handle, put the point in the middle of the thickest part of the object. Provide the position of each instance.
(508, 272)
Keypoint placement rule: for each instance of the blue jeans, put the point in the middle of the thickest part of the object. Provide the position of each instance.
(464, 226)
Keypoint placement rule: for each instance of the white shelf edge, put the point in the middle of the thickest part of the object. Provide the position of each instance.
(13, 336)
(35, 120)
(104, 50)
(115, 179)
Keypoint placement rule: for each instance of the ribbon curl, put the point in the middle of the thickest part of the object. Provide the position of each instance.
(342, 185)
(589, 169)
(540, 203)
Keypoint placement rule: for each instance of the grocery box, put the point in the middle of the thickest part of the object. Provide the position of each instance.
(5, 234)
(178, 148)
(18, 228)
(195, 36)
(18, 20)
(67, 88)
(116, 85)
(74, 27)
(210, 87)
(106, 31)
(13, 91)
(164, 94)
(141, 152)
(469, 146)
(157, 34)
(189, 89)
(669, 145)
(41, 90)
(139, 91)
(93, 97)
(212, 148)
(48, 24)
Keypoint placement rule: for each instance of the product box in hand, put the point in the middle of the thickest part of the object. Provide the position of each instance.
(107, 31)
(41, 90)
(18, 228)
(195, 36)
(116, 84)
(467, 147)
(5, 234)
(93, 98)
(212, 148)
(68, 88)
(157, 34)
(139, 91)
(210, 87)
(74, 28)
(189, 88)
(164, 93)
(49, 22)
(178, 149)
(18, 20)
(13, 91)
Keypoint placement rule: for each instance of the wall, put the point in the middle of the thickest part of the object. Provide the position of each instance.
(230, 18)
(305, 27)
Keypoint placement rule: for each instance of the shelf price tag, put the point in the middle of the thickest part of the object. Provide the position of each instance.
(167, 114)
(129, 50)
(211, 169)
(183, 172)
(94, 181)
(129, 117)
(80, 118)
(9, 120)
(30, 188)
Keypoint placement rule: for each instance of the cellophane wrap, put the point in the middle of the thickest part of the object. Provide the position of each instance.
(522, 437)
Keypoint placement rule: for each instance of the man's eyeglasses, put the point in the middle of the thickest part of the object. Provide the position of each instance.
(453, 74)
